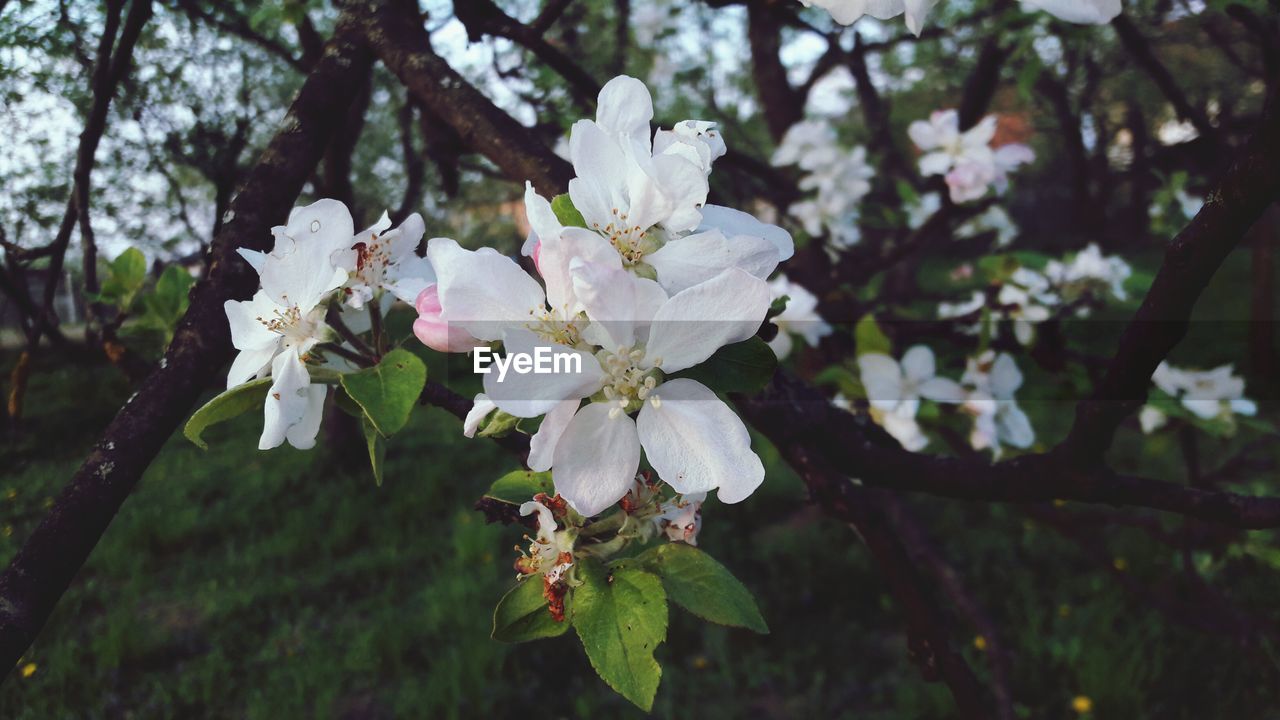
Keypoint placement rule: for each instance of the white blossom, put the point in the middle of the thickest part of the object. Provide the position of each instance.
(278, 328)
(997, 419)
(800, 317)
(846, 12)
(646, 200)
(966, 159)
(1208, 394)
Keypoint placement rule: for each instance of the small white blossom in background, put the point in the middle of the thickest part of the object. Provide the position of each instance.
(846, 12)
(1207, 394)
(997, 419)
(1090, 272)
(966, 159)
(1024, 299)
(839, 180)
(993, 219)
(895, 389)
(800, 317)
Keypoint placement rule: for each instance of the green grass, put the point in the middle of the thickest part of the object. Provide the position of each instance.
(236, 583)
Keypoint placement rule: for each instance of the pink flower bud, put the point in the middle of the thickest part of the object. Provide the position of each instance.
(436, 333)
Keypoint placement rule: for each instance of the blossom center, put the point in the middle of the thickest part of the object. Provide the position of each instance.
(548, 325)
(631, 241)
(627, 385)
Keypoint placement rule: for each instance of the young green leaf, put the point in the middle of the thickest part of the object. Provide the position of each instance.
(236, 401)
(704, 587)
(519, 486)
(522, 615)
(870, 338)
(621, 618)
(377, 449)
(744, 367)
(566, 213)
(388, 391)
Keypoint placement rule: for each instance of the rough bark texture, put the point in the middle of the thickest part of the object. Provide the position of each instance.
(50, 558)
(396, 34)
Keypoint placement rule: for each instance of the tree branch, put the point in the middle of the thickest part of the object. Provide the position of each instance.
(1249, 186)
(400, 41)
(790, 414)
(50, 558)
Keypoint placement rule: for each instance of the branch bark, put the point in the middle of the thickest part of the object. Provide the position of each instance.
(791, 413)
(50, 558)
(1249, 186)
(396, 34)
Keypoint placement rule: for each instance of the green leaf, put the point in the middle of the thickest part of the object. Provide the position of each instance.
(777, 307)
(520, 486)
(124, 278)
(870, 338)
(236, 401)
(704, 587)
(522, 615)
(845, 380)
(621, 618)
(377, 449)
(566, 213)
(388, 391)
(744, 367)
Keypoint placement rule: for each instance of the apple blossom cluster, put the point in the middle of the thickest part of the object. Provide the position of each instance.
(641, 279)
(318, 266)
(647, 511)
(1216, 394)
(992, 220)
(985, 392)
(846, 12)
(967, 161)
(1028, 297)
(838, 178)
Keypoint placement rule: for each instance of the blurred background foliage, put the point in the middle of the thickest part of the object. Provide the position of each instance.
(236, 583)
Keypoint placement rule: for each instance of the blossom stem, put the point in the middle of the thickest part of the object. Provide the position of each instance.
(340, 351)
(375, 324)
(333, 317)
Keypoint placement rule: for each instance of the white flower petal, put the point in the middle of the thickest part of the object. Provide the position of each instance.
(696, 322)
(481, 406)
(940, 389)
(302, 434)
(1013, 427)
(692, 259)
(249, 364)
(696, 443)
(734, 223)
(246, 319)
(596, 459)
(288, 400)
(624, 107)
(542, 446)
(532, 394)
(301, 270)
(882, 378)
(918, 364)
(482, 291)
